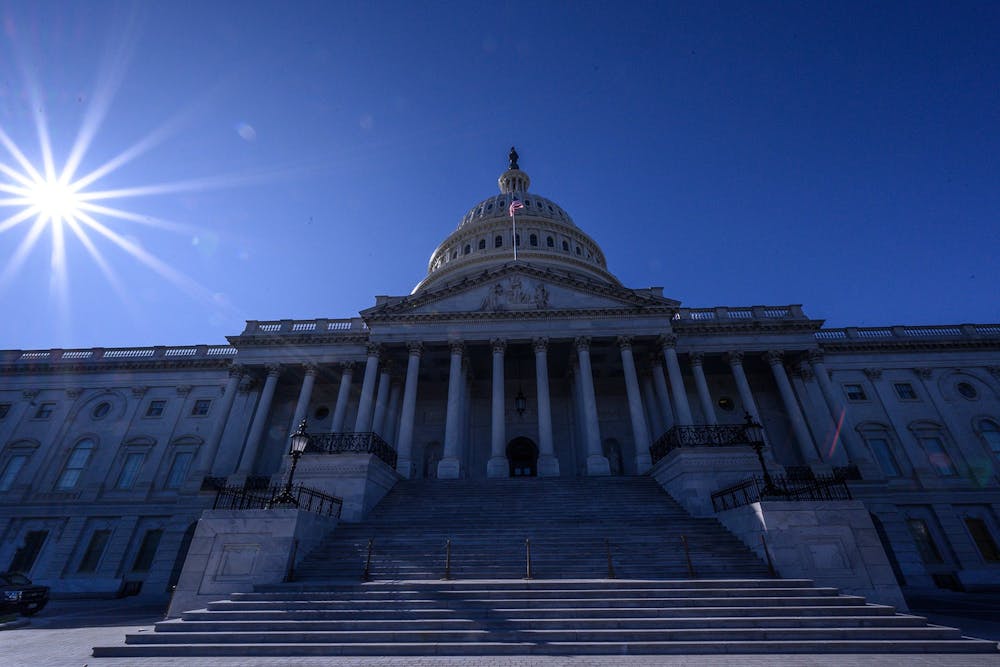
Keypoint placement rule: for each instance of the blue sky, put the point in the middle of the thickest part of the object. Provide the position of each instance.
(839, 155)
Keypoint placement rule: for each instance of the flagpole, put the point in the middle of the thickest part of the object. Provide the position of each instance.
(513, 223)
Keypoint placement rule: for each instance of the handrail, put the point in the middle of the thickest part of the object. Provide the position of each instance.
(721, 435)
(755, 489)
(352, 443)
(308, 500)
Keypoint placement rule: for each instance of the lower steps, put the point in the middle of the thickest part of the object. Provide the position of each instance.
(558, 617)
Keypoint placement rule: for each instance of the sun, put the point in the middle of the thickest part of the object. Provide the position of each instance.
(54, 200)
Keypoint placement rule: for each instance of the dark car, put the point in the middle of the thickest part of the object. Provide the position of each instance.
(17, 593)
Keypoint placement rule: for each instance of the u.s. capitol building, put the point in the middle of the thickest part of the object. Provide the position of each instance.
(539, 366)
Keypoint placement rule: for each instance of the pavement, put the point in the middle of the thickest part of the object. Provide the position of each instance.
(64, 633)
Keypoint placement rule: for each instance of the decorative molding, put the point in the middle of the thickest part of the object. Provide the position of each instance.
(582, 343)
(273, 370)
(735, 357)
(415, 348)
(697, 358)
(514, 296)
(873, 373)
(29, 394)
(624, 342)
(310, 368)
(456, 347)
(774, 357)
(184, 389)
(347, 366)
(498, 345)
(924, 372)
(540, 344)
(139, 391)
(667, 341)
(373, 349)
(74, 392)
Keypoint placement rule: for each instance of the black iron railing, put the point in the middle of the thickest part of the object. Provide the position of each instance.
(309, 500)
(699, 436)
(352, 443)
(823, 487)
(210, 483)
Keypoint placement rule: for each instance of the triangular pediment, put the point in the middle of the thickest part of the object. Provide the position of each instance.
(519, 288)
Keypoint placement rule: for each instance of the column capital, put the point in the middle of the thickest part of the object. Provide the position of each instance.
(498, 345)
(139, 391)
(624, 342)
(273, 370)
(806, 372)
(456, 347)
(373, 349)
(582, 343)
(183, 389)
(774, 357)
(735, 357)
(815, 356)
(346, 366)
(924, 372)
(311, 368)
(415, 348)
(873, 373)
(697, 358)
(667, 341)
(540, 344)
(237, 370)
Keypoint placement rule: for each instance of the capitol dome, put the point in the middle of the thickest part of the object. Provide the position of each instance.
(546, 238)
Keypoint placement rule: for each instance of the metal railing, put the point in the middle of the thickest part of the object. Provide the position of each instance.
(308, 500)
(352, 443)
(826, 487)
(699, 436)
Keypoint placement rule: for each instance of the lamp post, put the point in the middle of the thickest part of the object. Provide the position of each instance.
(755, 436)
(299, 442)
(520, 402)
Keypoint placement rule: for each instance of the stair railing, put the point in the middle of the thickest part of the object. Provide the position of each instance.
(367, 575)
(447, 560)
(687, 555)
(611, 566)
(527, 558)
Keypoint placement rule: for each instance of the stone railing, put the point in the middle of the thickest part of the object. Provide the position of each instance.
(319, 326)
(904, 333)
(106, 354)
(723, 314)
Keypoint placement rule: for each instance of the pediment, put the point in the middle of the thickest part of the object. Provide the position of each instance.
(519, 289)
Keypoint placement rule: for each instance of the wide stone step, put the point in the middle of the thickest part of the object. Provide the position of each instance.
(561, 584)
(459, 595)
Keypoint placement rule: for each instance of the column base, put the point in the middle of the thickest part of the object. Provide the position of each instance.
(498, 466)
(598, 466)
(449, 468)
(548, 466)
(405, 468)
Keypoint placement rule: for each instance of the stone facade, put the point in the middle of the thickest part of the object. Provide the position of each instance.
(492, 367)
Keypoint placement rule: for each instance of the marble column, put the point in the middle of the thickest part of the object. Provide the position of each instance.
(404, 444)
(363, 422)
(640, 432)
(735, 359)
(774, 359)
(381, 400)
(855, 453)
(597, 463)
(682, 411)
(343, 395)
(305, 396)
(211, 448)
(697, 369)
(259, 421)
(662, 395)
(449, 467)
(392, 414)
(652, 406)
(498, 465)
(548, 464)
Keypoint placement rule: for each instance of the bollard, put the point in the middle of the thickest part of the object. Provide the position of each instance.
(447, 560)
(367, 576)
(687, 555)
(611, 566)
(527, 551)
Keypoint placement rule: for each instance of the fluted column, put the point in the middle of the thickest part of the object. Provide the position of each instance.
(259, 421)
(640, 432)
(211, 449)
(392, 413)
(697, 369)
(404, 445)
(682, 411)
(498, 465)
(597, 463)
(363, 422)
(548, 464)
(799, 428)
(735, 359)
(381, 399)
(652, 407)
(305, 396)
(450, 466)
(662, 395)
(343, 395)
(855, 453)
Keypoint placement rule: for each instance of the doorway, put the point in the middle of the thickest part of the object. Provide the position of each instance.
(523, 457)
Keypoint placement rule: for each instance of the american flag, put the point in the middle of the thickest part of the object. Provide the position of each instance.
(515, 206)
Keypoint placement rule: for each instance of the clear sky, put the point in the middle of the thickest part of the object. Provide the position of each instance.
(308, 156)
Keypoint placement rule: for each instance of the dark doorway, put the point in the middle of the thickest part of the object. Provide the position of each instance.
(175, 572)
(523, 457)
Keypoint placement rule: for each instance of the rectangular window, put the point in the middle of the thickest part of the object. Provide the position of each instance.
(929, 552)
(155, 408)
(4, 409)
(147, 550)
(937, 456)
(130, 470)
(201, 407)
(179, 470)
(883, 454)
(24, 557)
(45, 410)
(91, 557)
(855, 392)
(905, 391)
(11, 470)
(984, 540)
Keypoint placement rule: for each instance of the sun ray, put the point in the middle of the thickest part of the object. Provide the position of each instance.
(149, 220)
(33, 174)
(17, 218)
(27, 243)
(102, 264)
(57, 277)
(191, 185)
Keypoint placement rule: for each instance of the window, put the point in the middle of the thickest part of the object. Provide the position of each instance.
(101, 410)
(936, 454)
(454, 254)
(533, 239)
(984, 540)
(967, 390)
(147, 550)
(565, 246)
(75, 464)
(578, 250)
(45, 410)
(130, 470)
(467, 250)
(855, 392)
(498, 241)
(155, 408)
(482, 244)
(990, 433)
(95, 549)
(4, 409)
(24, 557)
(883, 454)
(201, 406)
(11, 470)
(550, 242)
(929, 552)
(489, 207)
(178, 470)
(905, 391)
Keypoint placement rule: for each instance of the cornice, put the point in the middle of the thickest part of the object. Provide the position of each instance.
(105, 366)
(268, 340)
(912, 345)
(744, 326)
(521, 315)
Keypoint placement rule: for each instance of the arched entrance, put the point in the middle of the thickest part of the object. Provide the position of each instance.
(523, 457)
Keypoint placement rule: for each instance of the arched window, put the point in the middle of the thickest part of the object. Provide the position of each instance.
(468, 249)
(533, 239)
(550, 242)
(13, 461)
(498, 241)
(882, 447)
(932, 438)
(565, 246)
(989, 431)
(517, 239)
(578, 250)
(75, 464)
(454, 254)
(482, 244)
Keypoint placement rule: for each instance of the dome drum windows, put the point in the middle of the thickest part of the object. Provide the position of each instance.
(498, 241)
(482, 244)
(467, 250)
(533, 240)
(550, 242)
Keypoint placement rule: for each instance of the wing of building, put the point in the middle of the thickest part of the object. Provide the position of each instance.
(544, 365)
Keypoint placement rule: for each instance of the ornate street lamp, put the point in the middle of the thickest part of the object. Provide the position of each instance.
(755, 436)
(520, 402)
(299, 442)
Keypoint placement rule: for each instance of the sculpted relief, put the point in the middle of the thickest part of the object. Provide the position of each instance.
(512, 294)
